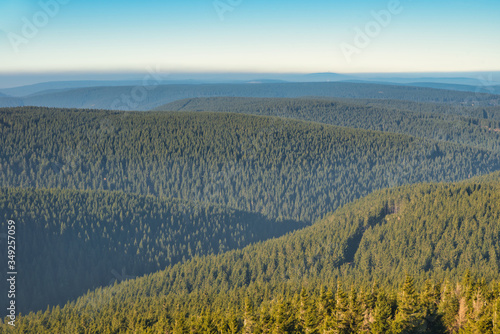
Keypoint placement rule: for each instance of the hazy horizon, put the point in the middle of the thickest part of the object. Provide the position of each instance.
(12, 80)
(249, 36)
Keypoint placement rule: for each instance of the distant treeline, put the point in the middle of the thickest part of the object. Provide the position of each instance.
(473, 126)
(150, 97)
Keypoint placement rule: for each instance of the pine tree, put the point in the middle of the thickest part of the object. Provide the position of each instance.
(449, 307)
(383, 315)
(284, 319)
(355, 313)
(433, 320)
(208, 326)
(248, 317)
(311, 320)
(408, 317)
(326, 302)
(304, 305)
(341, 312)
(265, 323)
(308, 317)
(180, 325)
(233, 323)
(480, 316)
(496, 317)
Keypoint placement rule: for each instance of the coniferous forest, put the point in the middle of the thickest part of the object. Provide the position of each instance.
(337, 213)
(472, 126)
(419, 259)
(249, 167)
(282, 168)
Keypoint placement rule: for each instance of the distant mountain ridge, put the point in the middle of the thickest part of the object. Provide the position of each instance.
(149, 97)
(473, 81)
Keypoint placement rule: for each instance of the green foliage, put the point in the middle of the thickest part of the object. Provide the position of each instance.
(72, 241)
(116, 97)
(382, 315)
(282, 285)
(473, 126)
(283, 169)
(152, 315)
(99, 221)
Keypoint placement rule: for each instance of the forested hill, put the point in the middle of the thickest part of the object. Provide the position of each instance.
(437, 231)
(467, 109)
(152, 96)
(72, 241)
(284, 169)
(8, 101)
(226, 103)
(430, 120)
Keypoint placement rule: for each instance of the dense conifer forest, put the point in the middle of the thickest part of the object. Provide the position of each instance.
(73, 241)
(308, 215)
(284, 169)
(474, 126)
(249, 167)
(415, 259)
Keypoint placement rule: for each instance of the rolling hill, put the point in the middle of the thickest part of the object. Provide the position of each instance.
(7, 101)
(479, 88)
(223, 103)
(149, 97)
(283, 169)
(72, 241)
(438, 231)
(27, 90)
(433, 121)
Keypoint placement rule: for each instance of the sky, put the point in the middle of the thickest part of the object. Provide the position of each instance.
(249, 36)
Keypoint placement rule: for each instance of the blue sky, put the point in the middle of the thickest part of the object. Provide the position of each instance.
(253, 36)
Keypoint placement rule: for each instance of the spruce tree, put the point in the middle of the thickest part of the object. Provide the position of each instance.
(408, 318)
(341, 313)
(382, 315)
(248, 317)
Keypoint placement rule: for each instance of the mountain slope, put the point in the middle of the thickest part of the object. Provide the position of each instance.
(23, 91)
(71, 241)
(455, 224)
(439, 124)
(284, 169)
(7, 101)
(148, 97)
(480, 88)
(464, 109)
